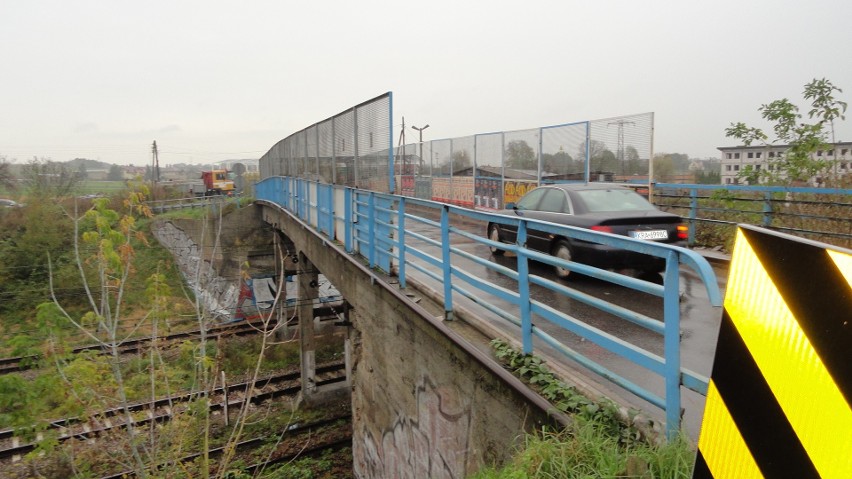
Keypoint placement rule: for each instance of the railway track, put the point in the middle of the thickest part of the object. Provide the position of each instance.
(162, 410)
(299, 435)
(134, 346)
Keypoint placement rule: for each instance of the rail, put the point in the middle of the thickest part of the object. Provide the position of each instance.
(375, 226)
(135, 345)
(162, 206)
(163, 409)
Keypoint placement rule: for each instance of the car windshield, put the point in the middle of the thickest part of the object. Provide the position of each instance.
(614, 200)
(530, 200)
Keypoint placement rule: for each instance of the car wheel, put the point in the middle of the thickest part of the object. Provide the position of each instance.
(562, 250)
(494, 235)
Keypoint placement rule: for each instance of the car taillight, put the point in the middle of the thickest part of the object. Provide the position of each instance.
(682, 232)
(605, 229)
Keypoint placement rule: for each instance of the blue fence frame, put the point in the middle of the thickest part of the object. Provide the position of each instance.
(384, 238)
(767, 212)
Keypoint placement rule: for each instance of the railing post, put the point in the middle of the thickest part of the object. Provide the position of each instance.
(400, 215)
(291, 194)
(347, 219)
(322, 209)
(767, 208)
(524, 289)
(671, 318)
(297, 197)
(330, 200)
(283, 187)
(308, 205)
(295, 192)
(445, 263)
(305, 202)
(371, 229)
(693, 213)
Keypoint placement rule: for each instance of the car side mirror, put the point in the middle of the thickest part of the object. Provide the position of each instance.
(511, 206)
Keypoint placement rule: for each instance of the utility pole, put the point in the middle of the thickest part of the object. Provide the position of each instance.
(620, 149)
(155, 163)
(420, 130)
(400, 148)
(155, 169)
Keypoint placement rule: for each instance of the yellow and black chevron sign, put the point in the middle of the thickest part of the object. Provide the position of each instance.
(779, 403)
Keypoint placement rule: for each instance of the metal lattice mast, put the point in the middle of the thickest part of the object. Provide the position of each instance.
(620, 147)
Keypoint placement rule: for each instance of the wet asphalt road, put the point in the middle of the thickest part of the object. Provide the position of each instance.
(699, 320)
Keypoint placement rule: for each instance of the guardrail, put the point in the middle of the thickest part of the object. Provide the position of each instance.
(375, 226)
(162, 206)
(824, 213)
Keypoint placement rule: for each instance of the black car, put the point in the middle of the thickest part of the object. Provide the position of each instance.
(600, 207)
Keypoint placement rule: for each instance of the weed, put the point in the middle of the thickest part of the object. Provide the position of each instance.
(585, 451)
(566, 398)
(597, 444)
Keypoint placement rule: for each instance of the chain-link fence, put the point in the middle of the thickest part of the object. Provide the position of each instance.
(352, 148)
(487, 171)
(620, 148)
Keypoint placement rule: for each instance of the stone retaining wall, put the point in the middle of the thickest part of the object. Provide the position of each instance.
(213, 268)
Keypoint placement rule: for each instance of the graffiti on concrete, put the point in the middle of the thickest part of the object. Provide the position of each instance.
(217, 294)
(432, 444)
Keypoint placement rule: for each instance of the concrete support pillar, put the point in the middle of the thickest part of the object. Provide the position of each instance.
(308, 292)
(286, 266)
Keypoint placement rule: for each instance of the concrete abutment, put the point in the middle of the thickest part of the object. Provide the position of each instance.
(425, 402)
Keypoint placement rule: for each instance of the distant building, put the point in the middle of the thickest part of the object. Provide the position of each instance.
(736, 158)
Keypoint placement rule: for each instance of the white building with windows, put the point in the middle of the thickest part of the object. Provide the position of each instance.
(736, 158)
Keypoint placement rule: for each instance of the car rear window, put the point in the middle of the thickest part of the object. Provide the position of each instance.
(614, 200)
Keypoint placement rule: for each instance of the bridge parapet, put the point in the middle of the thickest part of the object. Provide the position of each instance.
(381, 229)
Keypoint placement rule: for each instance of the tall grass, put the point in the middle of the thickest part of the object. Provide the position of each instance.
(599, 443)
(586, 451)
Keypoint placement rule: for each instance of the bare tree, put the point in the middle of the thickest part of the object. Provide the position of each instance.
(105, 256)
(46, 178)
(110, 264)
(7, 180)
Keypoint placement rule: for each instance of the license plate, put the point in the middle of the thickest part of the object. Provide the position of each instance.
(650, 234)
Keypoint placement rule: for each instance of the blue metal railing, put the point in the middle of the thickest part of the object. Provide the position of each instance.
(771, 207)
(390, 233)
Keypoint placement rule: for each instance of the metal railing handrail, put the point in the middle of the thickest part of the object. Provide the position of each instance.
(191, 202)
(301, 197)
(769, 214)
(757, 188)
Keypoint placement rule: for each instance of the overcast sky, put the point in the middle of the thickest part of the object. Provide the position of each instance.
(212, 80)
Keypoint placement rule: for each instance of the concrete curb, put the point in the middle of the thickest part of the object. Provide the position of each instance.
(713, 256)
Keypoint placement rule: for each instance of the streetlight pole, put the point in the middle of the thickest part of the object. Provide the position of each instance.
(420, 130)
